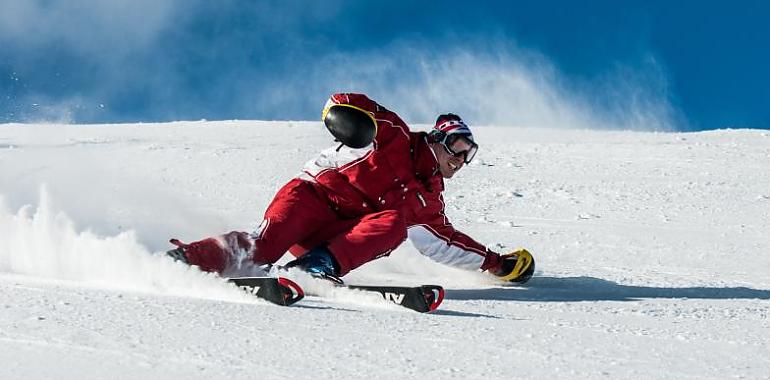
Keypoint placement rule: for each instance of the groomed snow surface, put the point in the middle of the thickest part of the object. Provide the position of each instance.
(651, 248)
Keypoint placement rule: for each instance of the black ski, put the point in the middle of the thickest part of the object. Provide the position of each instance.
(282, 291)
(278, 290)
(424, 298)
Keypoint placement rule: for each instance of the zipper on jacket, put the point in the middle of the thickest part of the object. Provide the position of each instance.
(422, 200)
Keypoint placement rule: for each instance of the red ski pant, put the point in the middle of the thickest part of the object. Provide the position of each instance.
(301, 218)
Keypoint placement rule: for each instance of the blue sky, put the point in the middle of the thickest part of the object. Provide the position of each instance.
(649, 65)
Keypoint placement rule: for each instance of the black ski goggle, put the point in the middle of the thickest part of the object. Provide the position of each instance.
(460, 146)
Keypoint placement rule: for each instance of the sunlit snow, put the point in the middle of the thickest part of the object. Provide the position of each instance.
(651, 249)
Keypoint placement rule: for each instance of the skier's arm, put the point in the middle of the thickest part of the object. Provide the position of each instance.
(440, 241)
(444, 244)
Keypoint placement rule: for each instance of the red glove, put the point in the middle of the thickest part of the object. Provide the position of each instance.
(492, 262)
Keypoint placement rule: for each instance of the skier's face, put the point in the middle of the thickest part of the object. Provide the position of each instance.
(448, 164)
(453, 152)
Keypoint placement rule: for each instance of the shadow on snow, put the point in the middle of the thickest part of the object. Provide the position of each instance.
(574, 289)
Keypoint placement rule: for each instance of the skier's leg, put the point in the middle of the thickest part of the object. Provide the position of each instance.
(322, 236)
(374, 236)
(296, 211)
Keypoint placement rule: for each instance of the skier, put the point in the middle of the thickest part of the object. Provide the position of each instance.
(359, 201)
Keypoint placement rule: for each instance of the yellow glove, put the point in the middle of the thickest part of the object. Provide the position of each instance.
(517, 266)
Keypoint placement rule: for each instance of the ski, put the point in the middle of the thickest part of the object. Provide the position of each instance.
(423, 298)
(278, 290)
(282, 291)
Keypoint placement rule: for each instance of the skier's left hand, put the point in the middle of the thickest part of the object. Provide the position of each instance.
(516, 266)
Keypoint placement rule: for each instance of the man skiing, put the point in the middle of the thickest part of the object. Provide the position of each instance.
(359, 201)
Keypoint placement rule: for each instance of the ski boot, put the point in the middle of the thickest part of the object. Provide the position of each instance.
(320, 263)
(178, 253)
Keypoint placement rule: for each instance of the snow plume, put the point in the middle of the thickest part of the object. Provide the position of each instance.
(40, 242)
(499, 83)
(97, 61)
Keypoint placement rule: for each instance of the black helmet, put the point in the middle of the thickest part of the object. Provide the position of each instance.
(350, 125)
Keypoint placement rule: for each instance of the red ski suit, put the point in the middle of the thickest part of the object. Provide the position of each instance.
(361, 203)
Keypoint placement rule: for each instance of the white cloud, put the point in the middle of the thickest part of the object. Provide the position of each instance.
(107, 28)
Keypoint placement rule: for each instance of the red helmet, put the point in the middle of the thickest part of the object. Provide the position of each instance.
(455, 136)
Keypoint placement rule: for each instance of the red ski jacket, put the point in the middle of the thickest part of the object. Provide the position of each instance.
(398, 171)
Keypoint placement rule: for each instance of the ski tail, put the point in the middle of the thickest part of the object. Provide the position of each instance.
(278, 290)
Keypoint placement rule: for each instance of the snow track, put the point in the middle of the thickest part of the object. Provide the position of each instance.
(651, 252)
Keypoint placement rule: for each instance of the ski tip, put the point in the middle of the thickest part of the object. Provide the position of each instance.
(434, 296)
(294, 293)
(421, 298)
(278, 290)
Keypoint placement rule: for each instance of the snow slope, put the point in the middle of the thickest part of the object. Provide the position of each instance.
(652, 253)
